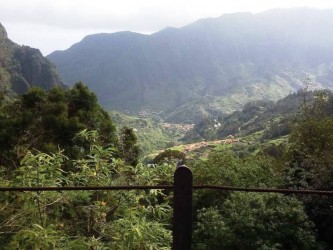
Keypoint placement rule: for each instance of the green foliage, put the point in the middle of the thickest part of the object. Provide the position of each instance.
(85, 219)
(254, 221)
(52, 130)
(245, 220)
(311, 150)
(170, 156)
(310, 157)
(36, 237)
(128, 146)
(40, 170)
(225, 168)
(47, 121)
(273, 119)
(151, 134)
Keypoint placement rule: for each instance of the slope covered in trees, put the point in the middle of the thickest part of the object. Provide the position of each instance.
(214, 64)
(271, 119)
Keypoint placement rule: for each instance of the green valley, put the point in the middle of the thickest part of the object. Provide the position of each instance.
(243, 100)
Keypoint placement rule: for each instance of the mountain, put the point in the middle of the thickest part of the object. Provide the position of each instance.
(22, 67)
(217, 63)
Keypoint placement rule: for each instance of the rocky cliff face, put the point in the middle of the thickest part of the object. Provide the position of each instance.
(22, 67)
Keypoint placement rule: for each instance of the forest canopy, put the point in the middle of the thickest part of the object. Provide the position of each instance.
(48, 121)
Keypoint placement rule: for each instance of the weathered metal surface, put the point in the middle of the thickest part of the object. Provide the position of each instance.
(182, 208)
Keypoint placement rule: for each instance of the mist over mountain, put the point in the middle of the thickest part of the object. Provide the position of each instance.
(22, 67)
(211, 64)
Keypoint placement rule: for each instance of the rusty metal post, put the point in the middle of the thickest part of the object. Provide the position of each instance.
(182, 208)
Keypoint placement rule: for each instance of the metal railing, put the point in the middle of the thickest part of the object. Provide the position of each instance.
(182, 199)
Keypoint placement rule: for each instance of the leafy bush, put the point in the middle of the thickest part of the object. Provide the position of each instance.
(86, 219)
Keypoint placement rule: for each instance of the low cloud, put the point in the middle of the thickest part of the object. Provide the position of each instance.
(39, 22)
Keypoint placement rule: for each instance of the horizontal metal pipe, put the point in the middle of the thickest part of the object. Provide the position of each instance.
(168, 187)
(71, 188)
(265, 190)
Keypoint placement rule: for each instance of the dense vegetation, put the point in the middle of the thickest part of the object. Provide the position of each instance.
(85, 220)
(150, 132)
(92, 154)
(49, 121)
(247, 221)
(199, 74)
(271, 119)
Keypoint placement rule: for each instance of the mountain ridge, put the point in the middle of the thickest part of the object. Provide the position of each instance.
(22, 67)
(213, 57)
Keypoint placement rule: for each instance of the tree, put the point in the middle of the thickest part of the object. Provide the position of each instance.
(170, 156)
(310, 159)
(245, 220)
(47, 121)
(311, 150)
(128, 146)
(254, 221)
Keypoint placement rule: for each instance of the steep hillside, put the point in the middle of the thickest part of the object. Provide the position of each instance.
(22, 67)
(153, 134)
(228, 60)
(266, 119)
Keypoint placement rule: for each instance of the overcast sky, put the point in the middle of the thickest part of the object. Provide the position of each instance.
(57, 24)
